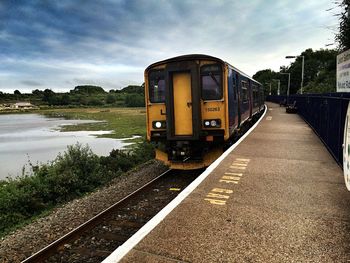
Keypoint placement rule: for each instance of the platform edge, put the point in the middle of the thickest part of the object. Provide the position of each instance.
(122, 250)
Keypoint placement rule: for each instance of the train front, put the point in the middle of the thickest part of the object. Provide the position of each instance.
(186, 111)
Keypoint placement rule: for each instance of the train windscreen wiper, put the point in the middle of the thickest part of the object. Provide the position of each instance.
(215, 80)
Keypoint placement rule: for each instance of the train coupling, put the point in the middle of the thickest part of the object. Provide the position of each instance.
(180, 151)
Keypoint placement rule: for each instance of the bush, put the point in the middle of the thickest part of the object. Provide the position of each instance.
(72, 174)
(110, 99)
(134, 100)
(95, 102)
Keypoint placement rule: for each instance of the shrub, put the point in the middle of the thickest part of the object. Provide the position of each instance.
(95, 102)
(72, 174)
(110, 99)
(134, 100)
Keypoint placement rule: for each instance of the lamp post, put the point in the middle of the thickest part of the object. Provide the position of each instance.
(302, 71)
(278, 85)
(288, 84)
(270, 86)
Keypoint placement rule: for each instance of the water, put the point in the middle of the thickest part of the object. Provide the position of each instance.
(36, 138)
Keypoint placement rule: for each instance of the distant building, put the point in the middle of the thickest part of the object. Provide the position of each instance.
(22, 105)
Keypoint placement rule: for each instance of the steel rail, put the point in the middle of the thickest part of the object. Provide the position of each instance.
(50, 249)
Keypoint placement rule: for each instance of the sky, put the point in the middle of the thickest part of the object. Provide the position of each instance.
(61, 44)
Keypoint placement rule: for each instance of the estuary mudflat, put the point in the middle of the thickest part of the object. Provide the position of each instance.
(38, 139)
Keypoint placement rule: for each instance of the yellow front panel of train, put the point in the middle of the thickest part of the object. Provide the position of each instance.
(182, 104)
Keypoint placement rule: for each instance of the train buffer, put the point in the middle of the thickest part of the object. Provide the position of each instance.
(278, 196)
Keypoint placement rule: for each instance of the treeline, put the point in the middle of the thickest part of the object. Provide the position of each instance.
(319, 74)
(84, 95)
(72, 174)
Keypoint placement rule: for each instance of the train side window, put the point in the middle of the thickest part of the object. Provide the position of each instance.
(255, 96)
(211, 82)
(244, 91)
(156, 86)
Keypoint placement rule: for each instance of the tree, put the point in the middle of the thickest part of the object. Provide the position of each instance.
(110, 99)
(88, 89)
(134, 100)
(65, 100)
(318, 65)
(319, 73)
(95, 102)
(48, 95)
(17, 92)
(343, 36)
(37, 92)
(133, 89)
(265, 77)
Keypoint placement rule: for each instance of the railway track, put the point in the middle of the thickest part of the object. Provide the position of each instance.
(98, 237)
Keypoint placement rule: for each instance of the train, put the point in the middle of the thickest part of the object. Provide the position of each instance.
(196, 105)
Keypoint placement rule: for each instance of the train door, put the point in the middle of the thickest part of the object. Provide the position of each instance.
(250, 94)
(182, 101)
(182, 104)
(232, 101)
(239, 100)
(244, 99)
(235, 99)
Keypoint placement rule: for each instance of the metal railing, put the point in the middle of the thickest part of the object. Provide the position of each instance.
(326, 114)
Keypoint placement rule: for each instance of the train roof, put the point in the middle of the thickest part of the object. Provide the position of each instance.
(198, 56)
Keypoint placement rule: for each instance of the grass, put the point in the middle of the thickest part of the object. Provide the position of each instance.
(124, 122)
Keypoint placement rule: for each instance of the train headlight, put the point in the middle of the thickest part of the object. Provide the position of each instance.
(215, 123)
(159, 124)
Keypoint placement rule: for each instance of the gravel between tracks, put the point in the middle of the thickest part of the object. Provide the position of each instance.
(31, 238)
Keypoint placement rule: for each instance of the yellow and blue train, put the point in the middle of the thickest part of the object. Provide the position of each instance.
(195, 105)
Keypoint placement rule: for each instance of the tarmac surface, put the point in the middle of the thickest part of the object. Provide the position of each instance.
(278, 197)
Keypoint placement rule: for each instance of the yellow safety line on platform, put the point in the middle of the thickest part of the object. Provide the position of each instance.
(243, 160)
(238, 167)
(216, 195)
(235, 174)
(239, 164)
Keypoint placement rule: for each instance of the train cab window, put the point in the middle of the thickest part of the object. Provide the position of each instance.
(211, 82)
(156, 80)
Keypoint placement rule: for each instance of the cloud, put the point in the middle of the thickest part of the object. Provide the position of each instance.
(31, 83)
(111, 42)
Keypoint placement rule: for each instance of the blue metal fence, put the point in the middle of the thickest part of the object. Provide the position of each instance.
(326, 114)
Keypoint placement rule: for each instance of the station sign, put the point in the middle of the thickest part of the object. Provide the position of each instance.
(343, 72)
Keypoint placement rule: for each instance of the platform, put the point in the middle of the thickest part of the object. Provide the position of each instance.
(277, 197)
